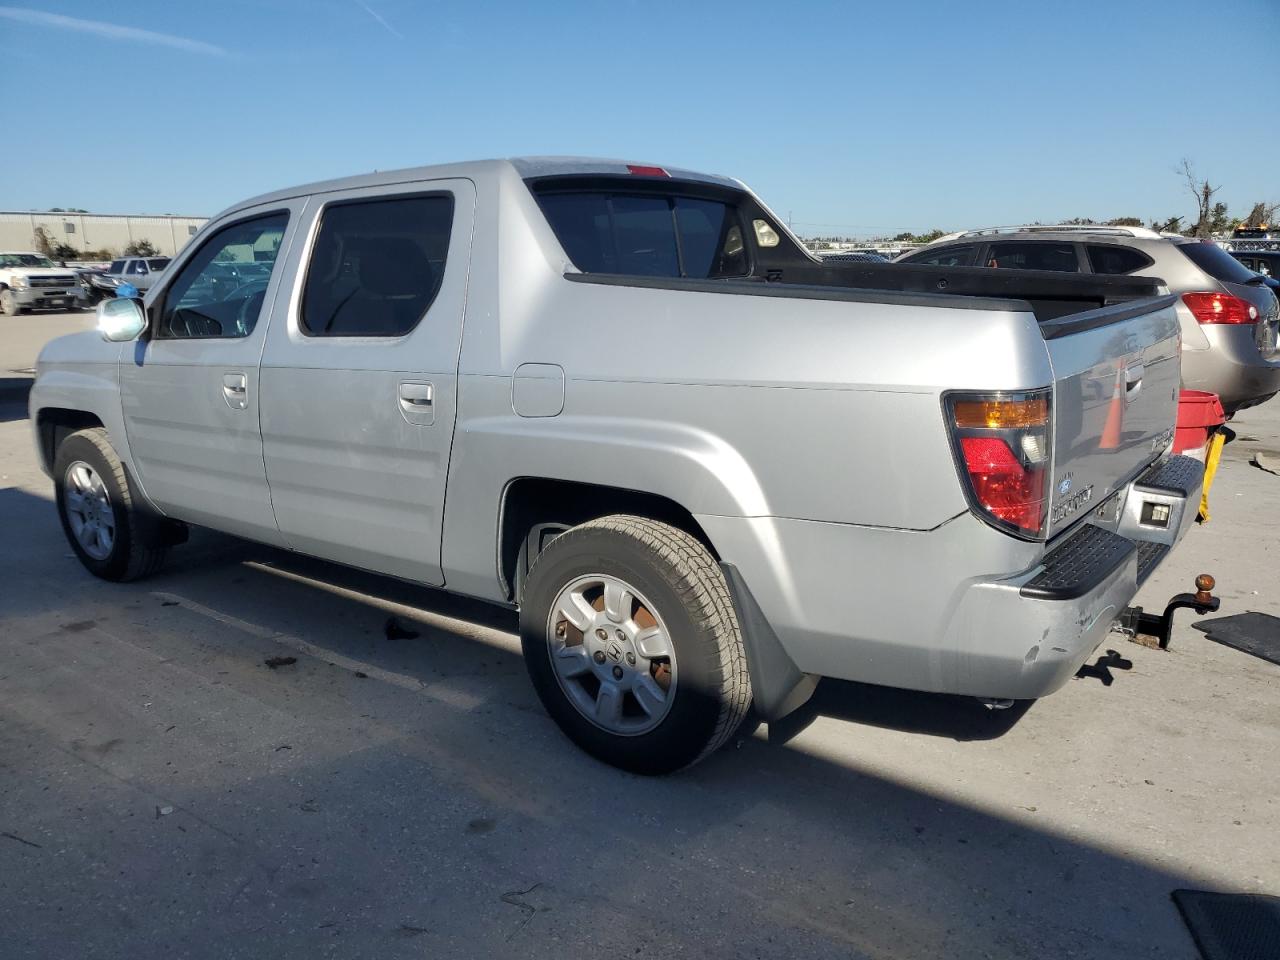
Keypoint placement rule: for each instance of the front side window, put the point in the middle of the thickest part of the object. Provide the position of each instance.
(209, 298)
(961, 256)
(1117, 260)
(136, 267)
(376, 266)
(117, 266)
(1033, 255)
(648, 235)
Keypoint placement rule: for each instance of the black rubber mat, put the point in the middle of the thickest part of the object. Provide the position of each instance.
(1253, 632)
(1232, 926)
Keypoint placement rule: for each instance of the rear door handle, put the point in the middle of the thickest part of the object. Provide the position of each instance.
(235, 390)
(417, 401)
(417, 394)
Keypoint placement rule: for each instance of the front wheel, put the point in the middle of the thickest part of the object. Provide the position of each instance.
(632, 643)
(109, 533)
(9, 305)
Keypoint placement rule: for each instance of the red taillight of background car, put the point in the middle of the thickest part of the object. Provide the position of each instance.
(1220, 308)
(1003, 446)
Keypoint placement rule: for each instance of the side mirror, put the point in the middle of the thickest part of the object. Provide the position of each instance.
(121, 319)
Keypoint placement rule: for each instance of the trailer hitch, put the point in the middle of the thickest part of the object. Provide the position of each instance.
(1132, 621)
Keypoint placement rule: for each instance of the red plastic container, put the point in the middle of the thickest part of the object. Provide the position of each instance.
(1199, 414)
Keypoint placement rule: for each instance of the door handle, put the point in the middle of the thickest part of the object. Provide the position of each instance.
(417, 402)
(235, 390)
(417, 394)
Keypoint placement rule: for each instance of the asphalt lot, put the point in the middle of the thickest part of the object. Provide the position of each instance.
(163, 793)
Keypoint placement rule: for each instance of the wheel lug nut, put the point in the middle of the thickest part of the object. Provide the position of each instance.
(602, 634)
(598, 656)
(631, 659)
(617, 673)
(619, 634)
(561, 629)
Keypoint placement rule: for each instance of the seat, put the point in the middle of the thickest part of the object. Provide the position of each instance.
(396, 284)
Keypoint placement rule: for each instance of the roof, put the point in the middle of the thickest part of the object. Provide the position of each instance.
(524, 167)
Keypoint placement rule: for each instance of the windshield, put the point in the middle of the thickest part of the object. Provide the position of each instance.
(24, 260)
(1216, 262)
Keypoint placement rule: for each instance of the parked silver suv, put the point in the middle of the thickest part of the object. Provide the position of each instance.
(1229, 317)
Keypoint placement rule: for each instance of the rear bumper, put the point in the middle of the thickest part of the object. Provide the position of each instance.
(1232, 367)
(932, 611)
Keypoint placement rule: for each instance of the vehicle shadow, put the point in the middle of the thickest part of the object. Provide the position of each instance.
(443, 813)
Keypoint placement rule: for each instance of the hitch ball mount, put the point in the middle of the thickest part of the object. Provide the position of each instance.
(1132, 621)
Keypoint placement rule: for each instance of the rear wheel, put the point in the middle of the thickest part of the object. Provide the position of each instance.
(110, 535)
(632, 644)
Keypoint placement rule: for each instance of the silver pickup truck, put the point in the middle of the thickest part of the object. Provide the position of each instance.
(707, 468)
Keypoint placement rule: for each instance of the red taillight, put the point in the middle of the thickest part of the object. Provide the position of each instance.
(1007, 488)
(1003, 446)
(1220, 308)
(642, 171)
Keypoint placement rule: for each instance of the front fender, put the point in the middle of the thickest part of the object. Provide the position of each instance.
(79, 373)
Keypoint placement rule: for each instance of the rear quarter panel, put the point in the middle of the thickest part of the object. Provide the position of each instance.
(730, 405)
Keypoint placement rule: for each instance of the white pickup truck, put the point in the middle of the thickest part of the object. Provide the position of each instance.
(31, 281)
(707, 468)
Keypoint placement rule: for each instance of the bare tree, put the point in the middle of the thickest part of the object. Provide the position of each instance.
(1262, 213)
(1203, 192)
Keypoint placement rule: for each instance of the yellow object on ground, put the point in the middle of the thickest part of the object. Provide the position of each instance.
(1211, 458)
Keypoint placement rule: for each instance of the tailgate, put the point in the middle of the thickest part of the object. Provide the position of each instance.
(1116, 379)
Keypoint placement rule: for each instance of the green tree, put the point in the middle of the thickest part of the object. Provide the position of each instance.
(141, 248)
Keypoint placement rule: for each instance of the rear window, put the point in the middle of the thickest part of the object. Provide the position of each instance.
(647, 235)
(1216, 262)
(1117, 260)
(1034, 255)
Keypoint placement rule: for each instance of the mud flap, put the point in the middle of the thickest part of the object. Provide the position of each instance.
(778, 686)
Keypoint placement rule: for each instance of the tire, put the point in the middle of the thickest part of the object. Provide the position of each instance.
(135, 548)
(9, 303)
(693, 621)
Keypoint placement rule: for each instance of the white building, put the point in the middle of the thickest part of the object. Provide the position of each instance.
(96, 231)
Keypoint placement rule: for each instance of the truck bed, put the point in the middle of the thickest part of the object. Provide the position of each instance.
(1051, 295)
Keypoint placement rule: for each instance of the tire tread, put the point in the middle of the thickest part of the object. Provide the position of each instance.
(145, 556)
(703, 586)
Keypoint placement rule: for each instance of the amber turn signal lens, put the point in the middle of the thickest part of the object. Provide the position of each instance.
(1001, 414)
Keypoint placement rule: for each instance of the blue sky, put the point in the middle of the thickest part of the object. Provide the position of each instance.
(850, 117)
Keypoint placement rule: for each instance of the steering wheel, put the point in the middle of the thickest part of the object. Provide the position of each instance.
(251, 296)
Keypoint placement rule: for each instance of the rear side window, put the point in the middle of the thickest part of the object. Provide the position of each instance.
(376, 267)
(647, 235)
(1034, 255)
(961, 256)
(158, 264)
(1216, 262)
(117, 266)
(1116, 260)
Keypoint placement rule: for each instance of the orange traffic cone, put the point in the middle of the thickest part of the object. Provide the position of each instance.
(1111, 430)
